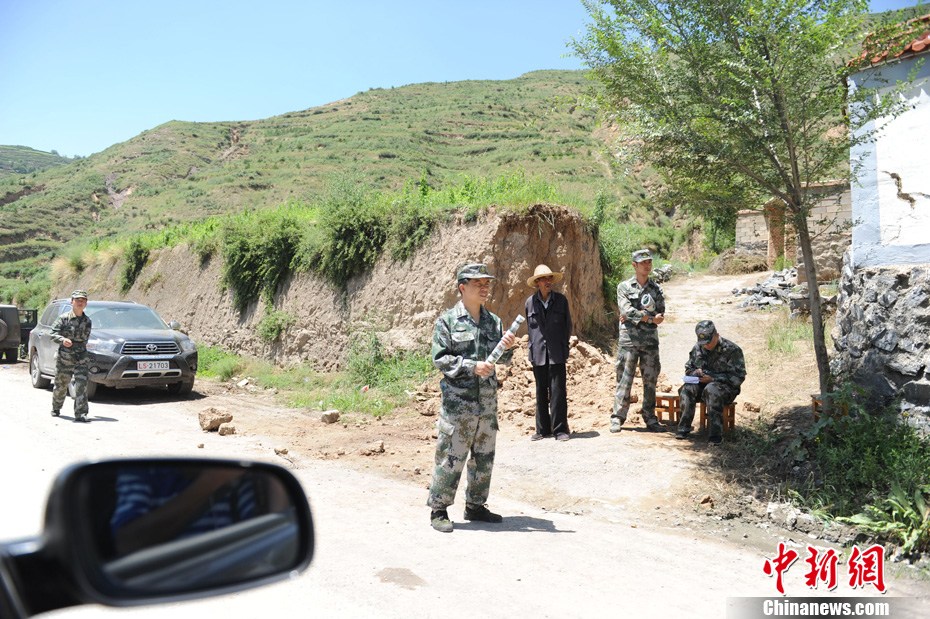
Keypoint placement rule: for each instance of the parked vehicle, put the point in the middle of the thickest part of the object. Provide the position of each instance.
(130, 346)
(28, 319)
(10, 333)
(78, 560)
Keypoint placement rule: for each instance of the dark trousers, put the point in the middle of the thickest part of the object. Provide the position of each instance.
(715, 395)
(551, 399)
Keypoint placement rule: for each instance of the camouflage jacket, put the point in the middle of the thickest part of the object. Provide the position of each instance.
(74, 328)
(458, 344)
(634, 332)
(724, 363)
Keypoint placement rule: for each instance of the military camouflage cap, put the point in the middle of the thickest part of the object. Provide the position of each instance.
(705, 331)
(473, 270)
(642, 254)
(79, 294)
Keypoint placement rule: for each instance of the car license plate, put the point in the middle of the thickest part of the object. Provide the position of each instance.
(143, 366)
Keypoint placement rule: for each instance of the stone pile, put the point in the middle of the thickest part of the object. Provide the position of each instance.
(774, 291)
(782, 288)
(663, 273)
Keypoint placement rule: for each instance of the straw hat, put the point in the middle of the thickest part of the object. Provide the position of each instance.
(543, 271)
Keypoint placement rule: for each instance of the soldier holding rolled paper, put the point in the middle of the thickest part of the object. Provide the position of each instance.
(464, 339)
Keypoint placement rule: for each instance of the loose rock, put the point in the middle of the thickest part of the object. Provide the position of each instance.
(372, 449)
(212, 418)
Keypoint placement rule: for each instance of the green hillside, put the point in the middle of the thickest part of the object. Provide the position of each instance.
(183, 171)
(19, 160)
(433, 133)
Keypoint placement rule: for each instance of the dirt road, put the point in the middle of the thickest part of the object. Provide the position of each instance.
(600, 524)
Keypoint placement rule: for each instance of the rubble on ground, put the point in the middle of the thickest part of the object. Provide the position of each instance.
(774, 291)
(591, 379)
(663, 273)
(782, 288)
(372, 449)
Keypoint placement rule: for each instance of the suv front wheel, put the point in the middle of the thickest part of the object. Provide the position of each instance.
(38, 381)
(182, 388)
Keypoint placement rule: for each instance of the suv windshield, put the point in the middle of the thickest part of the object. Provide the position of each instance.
(125, 318)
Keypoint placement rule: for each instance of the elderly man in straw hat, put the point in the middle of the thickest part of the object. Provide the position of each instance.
(550, 325)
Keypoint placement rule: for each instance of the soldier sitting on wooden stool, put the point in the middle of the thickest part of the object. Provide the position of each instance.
(720, 369)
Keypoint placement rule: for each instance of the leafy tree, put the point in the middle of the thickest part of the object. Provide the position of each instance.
(735, 101)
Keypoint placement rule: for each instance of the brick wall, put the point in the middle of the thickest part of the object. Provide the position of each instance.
(766, 233)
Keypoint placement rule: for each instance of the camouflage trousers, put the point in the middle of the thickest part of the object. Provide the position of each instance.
(649, 367)
(715, 395)
(71, 363)
(460, 437)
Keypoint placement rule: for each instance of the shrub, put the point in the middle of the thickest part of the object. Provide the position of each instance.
(618, 241)
(369, 364)
(366, 354)
(75, 258)
(783, 262)
(216, 362)
(904, 518)
(136, 255)
(411, 225)
(859, 459)
(258, 249)
(355, 230)
(273, 324)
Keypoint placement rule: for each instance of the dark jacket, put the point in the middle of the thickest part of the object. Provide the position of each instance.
(549, 328)
(724, 363)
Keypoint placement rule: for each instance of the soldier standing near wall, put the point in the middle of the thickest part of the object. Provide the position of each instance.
(642, 309)
(72, 330)
(463, 338)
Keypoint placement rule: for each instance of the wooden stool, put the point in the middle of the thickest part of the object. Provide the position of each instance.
(729, 416)
(668, 407)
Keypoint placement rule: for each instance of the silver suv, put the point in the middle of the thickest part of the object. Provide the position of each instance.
(130, 346)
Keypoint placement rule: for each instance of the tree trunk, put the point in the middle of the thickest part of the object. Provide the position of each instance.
(813, 296)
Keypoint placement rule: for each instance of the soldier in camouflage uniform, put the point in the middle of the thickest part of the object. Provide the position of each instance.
(720, 368)
(72, 330)
(467, 426)
(642, 308)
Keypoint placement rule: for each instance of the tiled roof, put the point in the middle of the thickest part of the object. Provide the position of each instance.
(882, 51)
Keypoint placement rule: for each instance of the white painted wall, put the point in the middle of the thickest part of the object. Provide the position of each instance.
(889, 230)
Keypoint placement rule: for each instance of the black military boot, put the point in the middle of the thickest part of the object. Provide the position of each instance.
(481, 514)
(439, 520)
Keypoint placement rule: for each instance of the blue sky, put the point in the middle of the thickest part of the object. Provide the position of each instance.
(80, 75)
